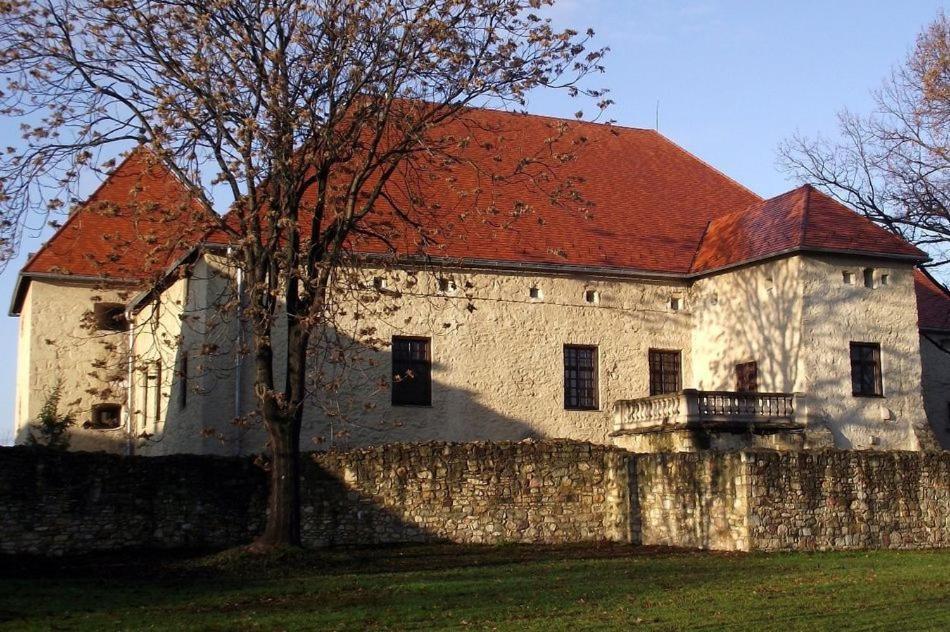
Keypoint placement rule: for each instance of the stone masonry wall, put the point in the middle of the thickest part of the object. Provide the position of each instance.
(550, 492)
(771, 501)
(848, 500)
(53, 503)
(554, 491)
(694, 499)
(532, 492)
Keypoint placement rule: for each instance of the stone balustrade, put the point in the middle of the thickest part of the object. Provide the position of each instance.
(694, 408)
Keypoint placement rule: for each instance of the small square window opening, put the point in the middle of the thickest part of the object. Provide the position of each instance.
(535, 293)
(847, 277)
(591, 296)
(447, 285)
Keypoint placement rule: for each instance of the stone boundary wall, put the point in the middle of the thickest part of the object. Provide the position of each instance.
(531, 492)
(54, 503)
(848, 500)
(800, 501)
(696, 500)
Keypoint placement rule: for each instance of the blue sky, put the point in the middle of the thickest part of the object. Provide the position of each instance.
(733, 78)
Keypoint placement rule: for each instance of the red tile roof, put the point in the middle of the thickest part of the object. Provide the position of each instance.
(803, 219)
(650, 200)
(933, 302)
(137, 222)
(651, 207)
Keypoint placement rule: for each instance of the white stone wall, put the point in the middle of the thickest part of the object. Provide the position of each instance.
(752, 314)
(935, 369)
(497, 356)
(188, 405)
(55, 345)
(836, 313)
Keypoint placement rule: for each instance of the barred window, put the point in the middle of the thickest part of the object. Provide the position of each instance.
(412, 372)
(866, 369)
(664, 371)
(580, 377)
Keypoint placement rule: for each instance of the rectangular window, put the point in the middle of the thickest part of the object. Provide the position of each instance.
(412, 372)
(580, 377)
(105, 417)
(866, 369)
(747, 377)
(109, 316)
(665, 372)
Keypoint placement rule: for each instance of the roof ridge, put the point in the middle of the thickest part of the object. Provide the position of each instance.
(699, 244)
(709, 166)
(655, 132)
(934, 280)
(805, 212)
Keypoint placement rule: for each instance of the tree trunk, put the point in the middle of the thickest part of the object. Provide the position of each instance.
(283, 503)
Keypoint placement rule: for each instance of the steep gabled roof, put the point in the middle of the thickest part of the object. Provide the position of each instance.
(140, 219)
(653, 209)
(803, 219)
(650, 200)
(933, 302)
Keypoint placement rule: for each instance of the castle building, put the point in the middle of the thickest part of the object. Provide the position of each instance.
(679, 311)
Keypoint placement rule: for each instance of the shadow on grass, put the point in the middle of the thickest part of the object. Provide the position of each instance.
(513, 587)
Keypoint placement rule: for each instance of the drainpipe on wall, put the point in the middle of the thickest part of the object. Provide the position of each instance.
(238, 352)
(130, 386)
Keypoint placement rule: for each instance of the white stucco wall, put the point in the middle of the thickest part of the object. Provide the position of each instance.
(497, 360)
(752, 314)
(935, 369)
(497, 354)
(187, 406)
(836, 313)
(55, 345)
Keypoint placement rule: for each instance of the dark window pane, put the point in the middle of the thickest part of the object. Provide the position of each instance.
(109, 316)
(665, 372)
(104, 417)
(866, 369)
(412, 372)
(747, 377)
(580, 377)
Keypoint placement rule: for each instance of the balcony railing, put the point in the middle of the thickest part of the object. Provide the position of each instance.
(692, 408)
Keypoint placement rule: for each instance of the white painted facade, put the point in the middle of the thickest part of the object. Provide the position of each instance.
(497, 354)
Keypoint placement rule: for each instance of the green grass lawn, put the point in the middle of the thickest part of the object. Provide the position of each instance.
(509, 587)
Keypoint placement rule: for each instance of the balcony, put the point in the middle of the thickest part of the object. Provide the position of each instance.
(725, 411)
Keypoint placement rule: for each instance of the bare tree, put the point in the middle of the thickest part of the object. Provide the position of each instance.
(306, 112)
(892, 164)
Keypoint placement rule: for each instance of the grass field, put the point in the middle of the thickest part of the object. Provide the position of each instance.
(508, 588)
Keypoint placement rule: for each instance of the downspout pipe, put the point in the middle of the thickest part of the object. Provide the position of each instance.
(239, 349)
(130, 385)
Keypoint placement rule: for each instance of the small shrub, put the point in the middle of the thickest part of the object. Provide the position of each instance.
(50, 428)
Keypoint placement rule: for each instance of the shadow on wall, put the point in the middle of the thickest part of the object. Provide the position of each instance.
(935, 371)
(796, 325)
(350, 406)
(476, 493)
(752, 315)
(692, 500)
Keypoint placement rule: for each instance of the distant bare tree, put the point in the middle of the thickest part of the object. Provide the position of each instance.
(892, 165)
(304, 110)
